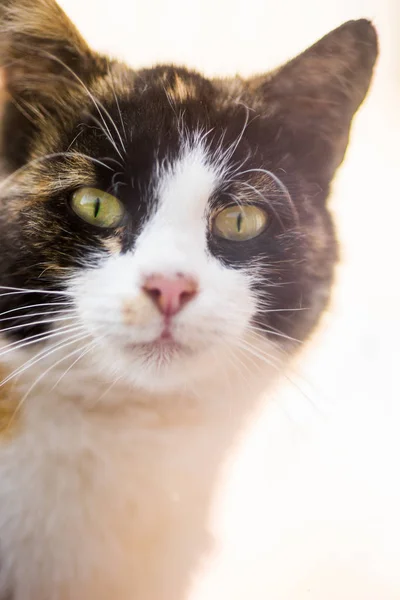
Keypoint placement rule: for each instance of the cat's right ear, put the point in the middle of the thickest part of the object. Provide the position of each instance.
(314, 97)
(45, 66)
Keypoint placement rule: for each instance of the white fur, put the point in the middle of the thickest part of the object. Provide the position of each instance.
(104, 487)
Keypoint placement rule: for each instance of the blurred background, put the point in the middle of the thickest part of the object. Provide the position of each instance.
(309, 505)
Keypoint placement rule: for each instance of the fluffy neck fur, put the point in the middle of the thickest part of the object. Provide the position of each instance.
(105, 500)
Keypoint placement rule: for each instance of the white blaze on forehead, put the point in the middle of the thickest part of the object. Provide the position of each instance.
(177, 230)
(186, 186)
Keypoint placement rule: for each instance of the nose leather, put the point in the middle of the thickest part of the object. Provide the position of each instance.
(170, 294)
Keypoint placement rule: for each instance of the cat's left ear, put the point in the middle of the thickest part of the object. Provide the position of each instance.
(44, 65)
(312, 99)
(40, 48)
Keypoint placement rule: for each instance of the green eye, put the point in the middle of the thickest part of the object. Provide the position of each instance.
(97, 208)
(240, 223)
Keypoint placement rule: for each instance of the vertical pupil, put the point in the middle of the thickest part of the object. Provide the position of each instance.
(239, 222)
(97, 207)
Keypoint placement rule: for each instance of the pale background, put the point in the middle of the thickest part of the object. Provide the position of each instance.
(311, 506)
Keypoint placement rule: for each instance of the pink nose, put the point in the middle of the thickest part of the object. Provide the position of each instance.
(170, 294)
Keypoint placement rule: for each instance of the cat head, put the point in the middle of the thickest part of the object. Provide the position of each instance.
(163, 223)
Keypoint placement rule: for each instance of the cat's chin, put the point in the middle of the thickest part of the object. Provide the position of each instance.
(161, 350)
(161, 365)
(164, 366)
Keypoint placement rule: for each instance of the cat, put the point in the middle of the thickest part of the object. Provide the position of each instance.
(165, 248)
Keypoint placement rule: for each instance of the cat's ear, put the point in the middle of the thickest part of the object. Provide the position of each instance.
(44, 65)
(315, 95)
(41, 48)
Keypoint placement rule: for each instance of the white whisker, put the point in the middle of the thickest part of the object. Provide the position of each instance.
(37, 338)
(227, 155)
(77, 136)
(263, 198)
(96, 102)
(38, 314)
(107, 135)
(269, 330)
(40, 159)
(40, 305)
(280, 185)
(40, 356)
(106, 391)
(257, 353)
(17, 290)
(86, 349)
(24, 398)
(117, 103)
(32, 323)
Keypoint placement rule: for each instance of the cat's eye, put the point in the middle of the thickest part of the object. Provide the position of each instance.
(240, 223)
(97, 207)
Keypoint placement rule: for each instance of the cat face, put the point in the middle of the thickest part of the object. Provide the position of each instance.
(163, 224)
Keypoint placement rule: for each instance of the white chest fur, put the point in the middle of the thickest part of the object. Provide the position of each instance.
(110, 501)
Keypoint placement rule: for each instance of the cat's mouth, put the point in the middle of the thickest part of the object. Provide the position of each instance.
(165, 346)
